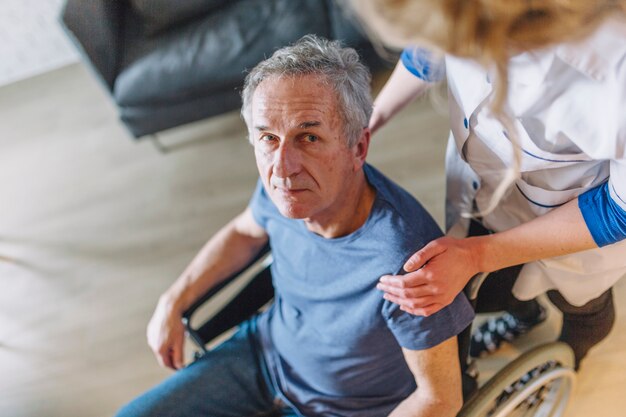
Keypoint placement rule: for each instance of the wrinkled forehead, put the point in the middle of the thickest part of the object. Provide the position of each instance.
(293, 86)
(293, 100)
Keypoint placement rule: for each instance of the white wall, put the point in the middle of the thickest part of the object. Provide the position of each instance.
(31, 39)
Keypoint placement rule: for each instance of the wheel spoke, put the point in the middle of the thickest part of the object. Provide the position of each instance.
(558, 378)
(536, 384)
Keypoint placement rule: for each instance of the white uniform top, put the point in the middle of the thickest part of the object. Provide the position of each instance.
(569, 107)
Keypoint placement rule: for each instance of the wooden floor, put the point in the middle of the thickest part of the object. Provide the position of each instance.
(94, 226)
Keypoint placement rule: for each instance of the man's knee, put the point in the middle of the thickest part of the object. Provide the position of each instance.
(171, 396)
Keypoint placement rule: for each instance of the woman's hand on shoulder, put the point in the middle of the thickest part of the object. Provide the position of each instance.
(435, 275)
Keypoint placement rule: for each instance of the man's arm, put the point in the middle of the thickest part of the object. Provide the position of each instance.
(229, 250)
(438, 376)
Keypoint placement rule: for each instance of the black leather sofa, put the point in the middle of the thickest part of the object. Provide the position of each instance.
(171, 62)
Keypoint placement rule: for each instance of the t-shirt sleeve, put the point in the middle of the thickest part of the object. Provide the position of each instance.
(261, 205)
(423, 64)
(419, 332)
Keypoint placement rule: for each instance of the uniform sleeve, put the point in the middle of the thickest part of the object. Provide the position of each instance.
(604, 210)
(604, 207)
(260, 205)
(423, 64)
(419, 332)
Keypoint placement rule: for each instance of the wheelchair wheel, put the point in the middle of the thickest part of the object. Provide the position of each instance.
(538, 383)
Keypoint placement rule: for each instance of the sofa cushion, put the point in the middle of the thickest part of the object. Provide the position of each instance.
(161, 14)
(211, 54)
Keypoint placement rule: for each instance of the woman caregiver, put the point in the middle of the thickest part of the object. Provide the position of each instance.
(536, 160)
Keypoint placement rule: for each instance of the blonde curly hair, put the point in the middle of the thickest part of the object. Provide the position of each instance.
(489, 31)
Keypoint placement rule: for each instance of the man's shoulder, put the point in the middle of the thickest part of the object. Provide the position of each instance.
(386, 187)
(395, 197)
(399, 213)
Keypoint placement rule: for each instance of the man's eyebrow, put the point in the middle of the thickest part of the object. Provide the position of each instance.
(303, 125)
(306, 125)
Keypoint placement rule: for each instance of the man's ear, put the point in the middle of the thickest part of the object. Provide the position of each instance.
(361, 148)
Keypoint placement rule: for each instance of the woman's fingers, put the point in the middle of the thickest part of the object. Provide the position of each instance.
(423, 311)
(403, 290)
(411, 303)
(417, 292)
(439, 272)
(423, 306)
(419, 258)
(423, 278)
(430, 291)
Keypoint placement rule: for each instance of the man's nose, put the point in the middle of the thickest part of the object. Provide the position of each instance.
(287, 160)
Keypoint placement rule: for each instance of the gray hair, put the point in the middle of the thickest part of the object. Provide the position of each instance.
(338, 66)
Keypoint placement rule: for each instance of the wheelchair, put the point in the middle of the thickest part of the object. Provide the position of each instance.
(538, 383)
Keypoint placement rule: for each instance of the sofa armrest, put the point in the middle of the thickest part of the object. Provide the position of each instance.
(97, 28)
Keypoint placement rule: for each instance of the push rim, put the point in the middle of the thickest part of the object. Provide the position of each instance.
(538, 383)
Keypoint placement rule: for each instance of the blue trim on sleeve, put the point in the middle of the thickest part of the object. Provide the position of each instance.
(419, 62)
(605, 219)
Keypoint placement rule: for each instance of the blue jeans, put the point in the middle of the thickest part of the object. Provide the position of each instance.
(229, 381)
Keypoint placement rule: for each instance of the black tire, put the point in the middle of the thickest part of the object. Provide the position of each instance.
(506, 389)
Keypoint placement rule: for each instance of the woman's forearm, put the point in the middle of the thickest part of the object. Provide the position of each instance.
(559, 232)
(401, 88)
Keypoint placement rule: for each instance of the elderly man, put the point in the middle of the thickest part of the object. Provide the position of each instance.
(330, 345)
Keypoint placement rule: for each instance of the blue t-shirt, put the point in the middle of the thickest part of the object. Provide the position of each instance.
(331, 342)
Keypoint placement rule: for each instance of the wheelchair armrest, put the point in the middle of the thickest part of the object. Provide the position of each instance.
(472, 287)
(256, 290)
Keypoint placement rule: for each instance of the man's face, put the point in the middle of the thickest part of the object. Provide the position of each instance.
(301, 152)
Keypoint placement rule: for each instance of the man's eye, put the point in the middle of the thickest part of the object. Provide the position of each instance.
(268, 138)
(311, 138)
